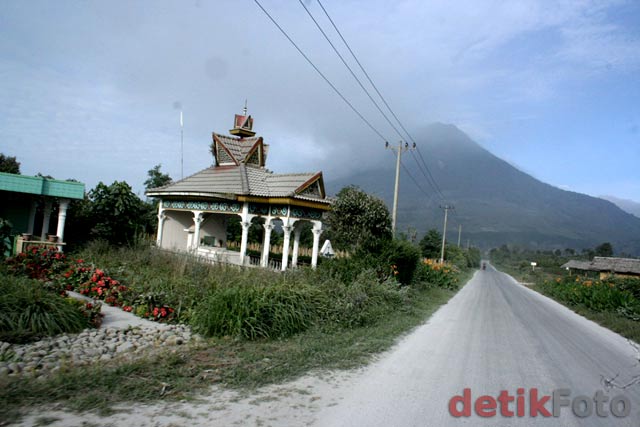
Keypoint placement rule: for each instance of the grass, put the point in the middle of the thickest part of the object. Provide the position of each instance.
(227, 362)
(264, 327)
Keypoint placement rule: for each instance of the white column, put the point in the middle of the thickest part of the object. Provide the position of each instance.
(32, 216)
(197, 220)
(161, 218)
(317, 231)
(296, 246)
(245, 222)
(45, 220)
(285, 247)
(246, 225)
(63, 205)
(266, 244)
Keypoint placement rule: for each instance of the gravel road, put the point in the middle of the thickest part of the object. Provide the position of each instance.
(494, 335)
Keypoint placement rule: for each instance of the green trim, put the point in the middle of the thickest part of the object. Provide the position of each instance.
(41, 186)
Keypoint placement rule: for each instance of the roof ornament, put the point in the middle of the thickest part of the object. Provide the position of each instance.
(243, 124)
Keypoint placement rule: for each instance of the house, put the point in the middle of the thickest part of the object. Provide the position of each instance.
(607, 266)
(30, 203)
(193, 213)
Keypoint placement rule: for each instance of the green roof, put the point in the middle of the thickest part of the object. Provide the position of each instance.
(41, 185)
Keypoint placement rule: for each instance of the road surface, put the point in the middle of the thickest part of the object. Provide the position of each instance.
(494, 335)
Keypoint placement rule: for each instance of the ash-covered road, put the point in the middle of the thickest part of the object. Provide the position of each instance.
(495, 335)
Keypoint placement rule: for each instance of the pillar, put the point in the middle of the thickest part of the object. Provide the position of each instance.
(266, 244)
(197, 220)
(296, 246)
(161, 218)
(285, 247)
(32, 216)
(63, 205)
(317, 231)
(45, 220)
(245, 223)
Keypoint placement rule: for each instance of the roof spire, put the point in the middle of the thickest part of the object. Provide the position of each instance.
(243, 124)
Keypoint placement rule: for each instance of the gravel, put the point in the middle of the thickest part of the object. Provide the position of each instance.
(48, 355)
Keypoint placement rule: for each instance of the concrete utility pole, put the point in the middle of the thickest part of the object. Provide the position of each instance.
(398, 150)
(459, 233)
(444, 231)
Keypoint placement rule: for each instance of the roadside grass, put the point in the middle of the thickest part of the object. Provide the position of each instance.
(228, 362)
(617, 323)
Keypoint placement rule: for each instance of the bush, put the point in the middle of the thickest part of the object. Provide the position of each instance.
(256, 311)
(401, 257)
(612, 295)
(432, 273)
(28, 312)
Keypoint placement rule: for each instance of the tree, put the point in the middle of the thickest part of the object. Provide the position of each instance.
(357, 218)
(156, 178)
(118, 214)
(431, 244)
(604, 249)
(9, 164)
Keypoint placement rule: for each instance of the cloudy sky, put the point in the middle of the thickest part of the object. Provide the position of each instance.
(92, 90)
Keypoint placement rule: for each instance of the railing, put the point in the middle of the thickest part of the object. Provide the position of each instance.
(23, 245)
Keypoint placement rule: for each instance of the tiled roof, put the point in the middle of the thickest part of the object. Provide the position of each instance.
(616, 265)
(610, 264)
(238, 147)
(578, 265)
(240, 180)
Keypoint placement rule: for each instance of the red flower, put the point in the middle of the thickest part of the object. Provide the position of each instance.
(99, 272)
(155, 311)
(94, 278)
(127, 308)
(79, 261)
(89, 306)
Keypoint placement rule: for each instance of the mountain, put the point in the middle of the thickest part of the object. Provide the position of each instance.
(626, 205)
(494, 202)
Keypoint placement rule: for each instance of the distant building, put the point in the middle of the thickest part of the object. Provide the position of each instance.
(193, 212)
(30, 203)
(607, 266)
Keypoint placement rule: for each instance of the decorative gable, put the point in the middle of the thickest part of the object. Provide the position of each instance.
(312, 188)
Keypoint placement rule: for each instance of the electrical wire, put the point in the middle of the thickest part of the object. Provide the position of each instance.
(350, 70)
(320, 72)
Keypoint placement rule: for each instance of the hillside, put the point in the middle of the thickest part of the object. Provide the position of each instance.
(495, 202)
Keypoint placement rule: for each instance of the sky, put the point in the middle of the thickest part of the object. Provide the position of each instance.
(93, 90)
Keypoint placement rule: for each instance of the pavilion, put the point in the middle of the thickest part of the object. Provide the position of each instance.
(193, 213)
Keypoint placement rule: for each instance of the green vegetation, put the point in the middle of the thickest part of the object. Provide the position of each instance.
(266, 326)
(29, 311)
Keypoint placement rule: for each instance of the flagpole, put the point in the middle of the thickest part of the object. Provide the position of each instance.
(181, 146)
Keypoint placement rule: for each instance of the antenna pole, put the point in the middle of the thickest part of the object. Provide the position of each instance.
(181, 146)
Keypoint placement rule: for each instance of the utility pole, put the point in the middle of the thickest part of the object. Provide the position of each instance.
(398, 150)
(444, 231)
(459, 233)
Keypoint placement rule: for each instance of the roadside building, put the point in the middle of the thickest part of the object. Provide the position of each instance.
(193, 213)
(36, 207)
(607, 266)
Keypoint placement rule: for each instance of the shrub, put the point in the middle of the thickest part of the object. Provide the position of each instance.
(431, 273)
(401, 257)
(612, 295)
(255, 311)
(27, 311)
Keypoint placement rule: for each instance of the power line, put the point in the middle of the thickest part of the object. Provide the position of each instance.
(431, 180)
(364, 71)
(349, 68)
(320, 72)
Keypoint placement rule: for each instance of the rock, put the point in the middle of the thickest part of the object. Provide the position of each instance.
(126, 346)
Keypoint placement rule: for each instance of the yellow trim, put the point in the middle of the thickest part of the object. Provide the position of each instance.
(285, 200)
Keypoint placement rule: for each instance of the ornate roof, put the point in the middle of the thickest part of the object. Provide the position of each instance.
(239, 172)
(229, 182)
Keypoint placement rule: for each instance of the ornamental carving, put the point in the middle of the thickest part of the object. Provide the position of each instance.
(223, 207)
